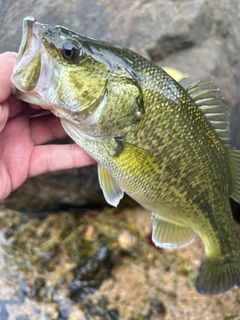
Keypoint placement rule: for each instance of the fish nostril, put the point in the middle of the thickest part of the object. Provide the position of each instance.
(46, 33)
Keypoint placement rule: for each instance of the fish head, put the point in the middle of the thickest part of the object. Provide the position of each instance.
(78, 78)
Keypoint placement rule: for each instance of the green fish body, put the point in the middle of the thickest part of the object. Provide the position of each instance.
(163, 145)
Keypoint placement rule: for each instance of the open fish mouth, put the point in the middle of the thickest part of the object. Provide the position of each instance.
(26, 45)
(28, 63)
(33, 66)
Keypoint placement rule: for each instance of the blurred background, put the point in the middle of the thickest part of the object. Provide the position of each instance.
(65, 253)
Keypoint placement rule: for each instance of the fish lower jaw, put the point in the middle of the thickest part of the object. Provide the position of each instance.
(26, 96)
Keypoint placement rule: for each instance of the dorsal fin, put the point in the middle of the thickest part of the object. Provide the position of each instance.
(212, 107)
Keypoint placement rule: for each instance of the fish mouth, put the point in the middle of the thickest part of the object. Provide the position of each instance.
(33, 66)
(27, 66)
(25, 43)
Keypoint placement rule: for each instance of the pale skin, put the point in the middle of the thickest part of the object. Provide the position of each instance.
(22, 138)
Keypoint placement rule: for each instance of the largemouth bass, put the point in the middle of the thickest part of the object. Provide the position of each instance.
(165, 146)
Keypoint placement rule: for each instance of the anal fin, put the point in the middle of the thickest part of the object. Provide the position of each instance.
(167, 233)
(111, 190)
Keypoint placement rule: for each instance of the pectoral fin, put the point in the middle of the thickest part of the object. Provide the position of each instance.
(170, 234)
(111, 190)
(136, 161)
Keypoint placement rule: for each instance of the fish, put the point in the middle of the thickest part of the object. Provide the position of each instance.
(164, 145)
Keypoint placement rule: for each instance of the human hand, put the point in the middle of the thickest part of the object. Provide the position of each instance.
(22, 150)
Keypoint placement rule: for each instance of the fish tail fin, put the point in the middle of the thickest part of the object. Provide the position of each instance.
(218, 275)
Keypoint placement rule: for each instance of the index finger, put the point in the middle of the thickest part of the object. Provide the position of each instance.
(7, 60)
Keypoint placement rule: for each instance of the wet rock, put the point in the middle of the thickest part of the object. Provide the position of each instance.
(89, 276)
(158, 308)
(39, 289)
(99, 308)
(43, 252)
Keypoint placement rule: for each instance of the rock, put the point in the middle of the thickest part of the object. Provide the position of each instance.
(59, 190)
(89, 276)
(126, 240)
(42, 257)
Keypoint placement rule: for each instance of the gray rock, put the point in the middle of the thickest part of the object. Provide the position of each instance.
(58, 190)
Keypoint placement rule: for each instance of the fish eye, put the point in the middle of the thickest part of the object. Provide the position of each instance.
(71, 50)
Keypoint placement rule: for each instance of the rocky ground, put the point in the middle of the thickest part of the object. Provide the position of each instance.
(100, 265)
(70, 256)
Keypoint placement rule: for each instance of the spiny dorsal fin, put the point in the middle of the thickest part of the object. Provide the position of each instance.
(195, 86)
(211, 106)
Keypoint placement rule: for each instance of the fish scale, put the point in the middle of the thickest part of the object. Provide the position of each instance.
(162, 144)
